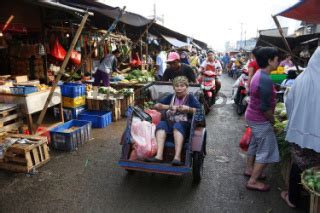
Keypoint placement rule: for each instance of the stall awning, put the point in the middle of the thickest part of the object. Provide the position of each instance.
(304, 10)
(175, 42)
(129, 18)
(196, 45)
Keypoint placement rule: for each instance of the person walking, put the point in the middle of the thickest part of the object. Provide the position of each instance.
(263, 149)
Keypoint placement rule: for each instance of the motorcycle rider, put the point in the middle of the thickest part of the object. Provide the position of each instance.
(211, 63)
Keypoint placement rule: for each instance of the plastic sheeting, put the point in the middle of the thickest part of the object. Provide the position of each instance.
(305, 10)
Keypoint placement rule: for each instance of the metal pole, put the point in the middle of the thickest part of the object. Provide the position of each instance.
(284, 40)
(62, 70)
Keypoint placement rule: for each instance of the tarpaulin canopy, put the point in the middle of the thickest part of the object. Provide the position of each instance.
(304, 10)
(111, 12)
(175, 42)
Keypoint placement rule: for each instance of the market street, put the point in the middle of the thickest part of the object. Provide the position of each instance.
(90, 180)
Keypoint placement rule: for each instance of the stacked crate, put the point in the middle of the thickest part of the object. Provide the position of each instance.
(26, 156)
(74, 100)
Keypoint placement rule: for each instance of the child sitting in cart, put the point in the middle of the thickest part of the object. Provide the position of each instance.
(179, 108)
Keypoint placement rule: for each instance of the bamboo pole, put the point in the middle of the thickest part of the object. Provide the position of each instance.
(276, 21)
(62, 70)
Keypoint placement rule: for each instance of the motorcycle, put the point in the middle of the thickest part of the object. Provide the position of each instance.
(242, 99)
(208, 85)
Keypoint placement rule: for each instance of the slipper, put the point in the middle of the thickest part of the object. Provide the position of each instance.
(263, 189)
(153, 160)
(262, 177)
(177, 163)
(284, 196)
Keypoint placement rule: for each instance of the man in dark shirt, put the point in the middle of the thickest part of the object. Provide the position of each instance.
(177, 69)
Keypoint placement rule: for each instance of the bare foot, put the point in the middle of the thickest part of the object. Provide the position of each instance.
(285, 197)
(259, 186)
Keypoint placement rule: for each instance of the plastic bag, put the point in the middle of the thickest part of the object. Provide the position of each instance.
(57, 51)
(143, 139)
(155, 115)
(245, 140)
(75, 57)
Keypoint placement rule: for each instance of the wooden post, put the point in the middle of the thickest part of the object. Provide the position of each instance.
(62, 69)
(276, 21)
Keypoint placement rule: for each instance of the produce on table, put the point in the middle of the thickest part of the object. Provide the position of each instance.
(107, 91)
(279, 127)
(126, 92)
(311, 179)
(148, 105)
(42, 87)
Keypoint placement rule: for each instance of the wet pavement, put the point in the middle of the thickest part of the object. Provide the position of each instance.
(89, 180)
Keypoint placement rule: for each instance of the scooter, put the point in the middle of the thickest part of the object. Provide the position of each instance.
(242, 99)
(208, 85)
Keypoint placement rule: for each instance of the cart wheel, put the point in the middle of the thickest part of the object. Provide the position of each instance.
(197, 166)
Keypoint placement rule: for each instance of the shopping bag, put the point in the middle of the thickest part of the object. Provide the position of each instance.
(155, 115)
(143, 140)
(57, 51)
(245, 140)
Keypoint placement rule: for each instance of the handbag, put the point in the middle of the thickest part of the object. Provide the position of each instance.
(245, 140)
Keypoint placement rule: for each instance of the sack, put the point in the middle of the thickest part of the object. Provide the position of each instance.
(75, 57)
(245, 140)
(155, 115)
(143, 139)
(57, 51)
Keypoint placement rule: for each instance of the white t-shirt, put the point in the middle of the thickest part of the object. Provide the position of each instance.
(216, 64)
(161, 62)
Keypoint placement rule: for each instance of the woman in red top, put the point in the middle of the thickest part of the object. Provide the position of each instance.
(253, 66)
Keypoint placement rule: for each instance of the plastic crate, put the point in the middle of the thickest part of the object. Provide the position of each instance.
(99, 119)
(23, 90)
(69, 113)
(74, 102)
(70, 141)
(73, 90)
(278, 78)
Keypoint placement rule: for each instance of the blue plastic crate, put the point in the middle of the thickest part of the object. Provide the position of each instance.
(23, 90)
(99, 119)
(69, 113)
(70, 141)
(73, 90)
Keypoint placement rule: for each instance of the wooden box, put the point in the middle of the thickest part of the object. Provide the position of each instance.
(113, 105)
(26, 157)
(125, 103)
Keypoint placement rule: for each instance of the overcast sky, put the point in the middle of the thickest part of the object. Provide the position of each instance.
(214, 22)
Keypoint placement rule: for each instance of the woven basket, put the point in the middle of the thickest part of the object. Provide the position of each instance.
(305, 185)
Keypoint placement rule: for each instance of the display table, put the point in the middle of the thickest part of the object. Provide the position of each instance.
(32, 103)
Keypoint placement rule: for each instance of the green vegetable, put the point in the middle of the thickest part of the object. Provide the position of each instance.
(309, 172)
(317, 187)
(311, 184)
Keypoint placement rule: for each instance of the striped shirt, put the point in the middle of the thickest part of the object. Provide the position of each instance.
(262, 97)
